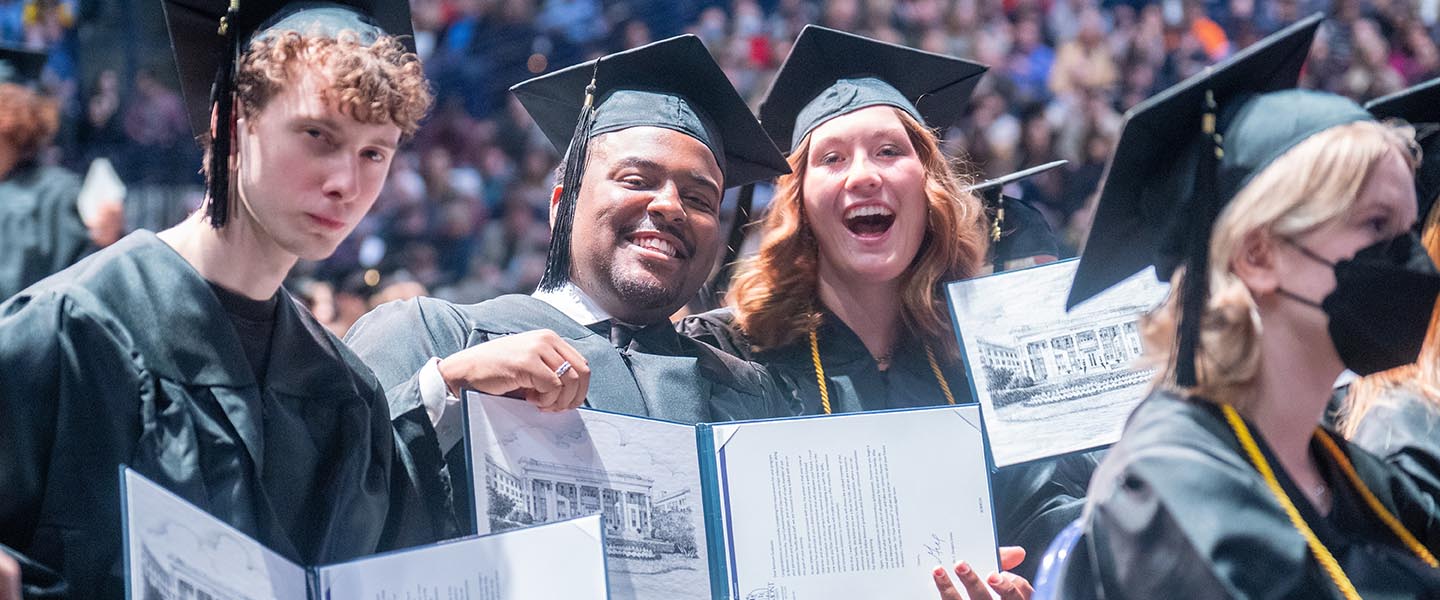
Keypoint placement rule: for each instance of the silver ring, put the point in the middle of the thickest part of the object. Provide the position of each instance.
(563, 369)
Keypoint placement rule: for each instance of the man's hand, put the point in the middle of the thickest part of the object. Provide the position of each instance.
(9, 578)
(523, 365)
(1008, 586)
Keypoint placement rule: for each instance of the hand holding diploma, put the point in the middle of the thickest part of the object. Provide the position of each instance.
(537, 366)
(1007, 586)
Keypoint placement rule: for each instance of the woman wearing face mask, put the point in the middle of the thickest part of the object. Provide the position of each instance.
(1282, 220)
(844, 300)
(1396, 413)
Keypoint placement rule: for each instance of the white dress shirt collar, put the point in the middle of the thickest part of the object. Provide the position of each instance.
(573, 303)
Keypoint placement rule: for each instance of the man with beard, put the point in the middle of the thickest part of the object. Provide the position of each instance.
(654, 136)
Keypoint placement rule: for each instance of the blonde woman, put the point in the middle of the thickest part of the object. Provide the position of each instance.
(1282, 220)
(844, 299)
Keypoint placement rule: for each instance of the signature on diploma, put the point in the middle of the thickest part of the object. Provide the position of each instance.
(940, 549)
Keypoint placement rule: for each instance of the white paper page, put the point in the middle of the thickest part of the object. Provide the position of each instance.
(642, 474)
(565, 559)
(1053, 382)
(102, 184)
(856, 505)
(175, 550)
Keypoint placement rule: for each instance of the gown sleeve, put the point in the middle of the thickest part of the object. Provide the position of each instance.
(1035, 501)
(68, 379)
(395, 341)
(30, 356)
(1404, 429)
(1188, 517)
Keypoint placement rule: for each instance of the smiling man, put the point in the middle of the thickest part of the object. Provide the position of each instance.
(635, 222)
(180, 354)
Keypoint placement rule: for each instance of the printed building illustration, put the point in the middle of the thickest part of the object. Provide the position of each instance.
(1105, 342)
(551, 491)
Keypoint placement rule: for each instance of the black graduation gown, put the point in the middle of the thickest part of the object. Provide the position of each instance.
(128, 358)
(40, 227)
(1178, 510)
(1033, 501)
(660, 374)
(1403, 427)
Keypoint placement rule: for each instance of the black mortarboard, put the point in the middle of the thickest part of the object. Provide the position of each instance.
(208, 37)
(1184, 154)
(1017, 229)
(830, 73)
(673, 84)
(1420, 106)
(21, 67)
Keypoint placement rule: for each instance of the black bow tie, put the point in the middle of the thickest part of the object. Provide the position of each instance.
(620, 334)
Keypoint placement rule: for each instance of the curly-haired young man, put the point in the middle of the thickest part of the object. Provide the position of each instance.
(180, 354)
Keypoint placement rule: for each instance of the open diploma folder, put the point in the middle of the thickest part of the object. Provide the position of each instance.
(857, 505)
(1052, 382)
(175, 550)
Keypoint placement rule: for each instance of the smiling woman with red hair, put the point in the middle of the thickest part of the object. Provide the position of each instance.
(844, 300)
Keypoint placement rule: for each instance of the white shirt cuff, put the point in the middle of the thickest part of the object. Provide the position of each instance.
(440, 405)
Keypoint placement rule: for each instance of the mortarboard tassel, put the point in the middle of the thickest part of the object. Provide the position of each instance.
(1195, 290)
(557, 266)
(222, 97)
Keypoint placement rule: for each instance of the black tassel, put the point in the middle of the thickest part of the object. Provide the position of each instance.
(557, 265)
(222, 97)
(1195, 290)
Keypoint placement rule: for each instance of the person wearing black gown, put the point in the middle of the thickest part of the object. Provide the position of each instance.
(1396, 413)
(180, 354)
(41, 229)
(634, 226)
(1282, 219)
(844, 298)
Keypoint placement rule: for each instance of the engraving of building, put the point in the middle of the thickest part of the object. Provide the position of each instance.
(174, 579)
(667, 501)
(552, 491)
(1104, 342)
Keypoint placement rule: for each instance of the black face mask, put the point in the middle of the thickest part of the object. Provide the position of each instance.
(1381, 305)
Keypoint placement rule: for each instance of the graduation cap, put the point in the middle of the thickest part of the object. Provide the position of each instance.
(1184, 154)
(672, 84)
(830, 73)
(1419, 105)
(209, 36)
(21, 67)
(1017, 229)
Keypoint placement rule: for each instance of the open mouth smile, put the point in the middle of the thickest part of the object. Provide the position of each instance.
(868, 220)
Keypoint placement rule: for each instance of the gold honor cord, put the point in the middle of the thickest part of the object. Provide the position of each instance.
(1322, 554)
(825, 389)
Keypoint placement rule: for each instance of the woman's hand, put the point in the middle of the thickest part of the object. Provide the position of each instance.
(1008, 586)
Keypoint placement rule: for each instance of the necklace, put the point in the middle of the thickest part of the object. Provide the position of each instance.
(825, 389)
(1322, 554)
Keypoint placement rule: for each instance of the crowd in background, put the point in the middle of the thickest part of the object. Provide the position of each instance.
(464, 213)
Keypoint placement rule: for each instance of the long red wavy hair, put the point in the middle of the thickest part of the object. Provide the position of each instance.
(775, 294)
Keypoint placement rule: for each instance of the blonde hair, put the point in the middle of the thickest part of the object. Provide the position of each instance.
(774, 294)
(1421, 377)
(1313, 183)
